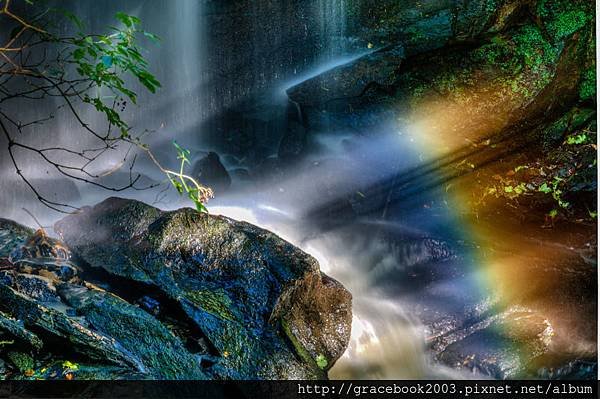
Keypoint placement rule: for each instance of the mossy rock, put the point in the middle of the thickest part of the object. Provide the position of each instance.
(158, 352)
(16, 329)
(22, 361)
(233, 280)
(215, 302)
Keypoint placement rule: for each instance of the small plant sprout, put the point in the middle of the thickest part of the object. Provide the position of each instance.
(70, 366)
(322, 361)
(183, 183)
(581, 138)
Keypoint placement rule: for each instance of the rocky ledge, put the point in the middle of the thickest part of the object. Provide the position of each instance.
(135, 292)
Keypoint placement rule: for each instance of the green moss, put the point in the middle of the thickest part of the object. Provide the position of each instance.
(301, 350)
(533, 48)
(21, 360)
(215, 302)
(533, 59)
(162, 354)
(570, 122)
(587, 87)
(523, 61)
(562, 18)
(322, 361)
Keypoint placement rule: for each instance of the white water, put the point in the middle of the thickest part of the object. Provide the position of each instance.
(386, 342)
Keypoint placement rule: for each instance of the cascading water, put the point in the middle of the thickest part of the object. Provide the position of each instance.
(387, 340)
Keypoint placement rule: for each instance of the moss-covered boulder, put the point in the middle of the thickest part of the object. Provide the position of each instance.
(262, 305)
(514, 61)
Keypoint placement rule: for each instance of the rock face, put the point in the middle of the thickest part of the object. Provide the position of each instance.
(479, 76)
(170, 295)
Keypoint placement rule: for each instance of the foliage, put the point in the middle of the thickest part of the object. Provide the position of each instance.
(106, 60)
(552, 188)
(44, 67)
(21, 360)
(587, 87)
(321, 361)
(567, 169)
(186, 184)
(562, 18)
(580, 138)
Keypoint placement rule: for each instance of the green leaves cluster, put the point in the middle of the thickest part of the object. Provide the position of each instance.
(106, 61)
(552, 188)
(562, 18)
(587, 87)
(580, 138)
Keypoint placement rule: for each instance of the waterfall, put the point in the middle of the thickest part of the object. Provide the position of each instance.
(333, 28)
(185, 46)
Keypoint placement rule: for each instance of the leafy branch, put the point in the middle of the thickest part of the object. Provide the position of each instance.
(75, 71)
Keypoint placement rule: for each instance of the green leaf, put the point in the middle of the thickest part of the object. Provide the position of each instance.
(70, 365)
(544, 188)
(593, 214)
(521, 167)
(577, 139)
(183, 153)
(124, 18)
(321, 361)
(78, 54)
(178, 186)
(152, 36)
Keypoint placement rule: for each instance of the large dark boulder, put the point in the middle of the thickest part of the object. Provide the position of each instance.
(262, 305)
(293, 143)
(166, 295)
(210, 172)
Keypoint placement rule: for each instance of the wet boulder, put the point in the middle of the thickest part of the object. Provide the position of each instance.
(210, 172)
(55, 326)
(155, 349)
(504, 347)
(14, 329)
(46, 321)
(262, 304)
(12, 236)
(349, 80)
(271, 170)
(478, 76)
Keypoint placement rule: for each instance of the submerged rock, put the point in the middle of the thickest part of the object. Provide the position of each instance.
(505, 347)
(261, 306)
